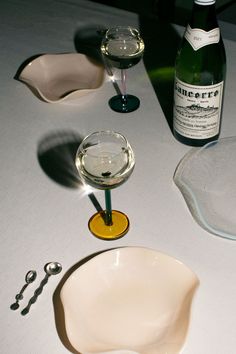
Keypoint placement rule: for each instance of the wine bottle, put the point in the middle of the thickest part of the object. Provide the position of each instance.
(200, 70)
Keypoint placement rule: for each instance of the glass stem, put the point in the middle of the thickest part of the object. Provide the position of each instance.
(123, 84)
(108, 212)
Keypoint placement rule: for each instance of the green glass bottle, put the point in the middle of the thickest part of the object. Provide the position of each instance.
(199, 78)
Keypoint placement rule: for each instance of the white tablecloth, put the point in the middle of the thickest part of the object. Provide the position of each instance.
(42, 220)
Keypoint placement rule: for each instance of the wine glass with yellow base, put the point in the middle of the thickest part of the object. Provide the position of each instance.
(105, 160)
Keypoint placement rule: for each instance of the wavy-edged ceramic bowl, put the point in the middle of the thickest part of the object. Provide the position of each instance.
(130, 300)
(206, 179)
(60, 77)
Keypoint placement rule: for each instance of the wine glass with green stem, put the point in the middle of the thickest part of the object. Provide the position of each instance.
(105, 160)
(123, 48)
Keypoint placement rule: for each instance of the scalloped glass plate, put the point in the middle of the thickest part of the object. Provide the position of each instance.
(207, 179)
(60, 77)
(130, 300)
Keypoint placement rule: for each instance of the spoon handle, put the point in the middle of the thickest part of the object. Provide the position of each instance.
(37, 292)
(18, 297)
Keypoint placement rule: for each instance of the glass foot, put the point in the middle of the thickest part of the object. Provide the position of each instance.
(129, 104)
(119, 227)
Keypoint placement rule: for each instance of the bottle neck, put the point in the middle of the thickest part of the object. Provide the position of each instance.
(204, 17)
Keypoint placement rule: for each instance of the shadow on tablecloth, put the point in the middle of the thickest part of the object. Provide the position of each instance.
(161, 45)
(56, 156)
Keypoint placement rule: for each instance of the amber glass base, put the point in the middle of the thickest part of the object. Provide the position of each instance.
(119, 227)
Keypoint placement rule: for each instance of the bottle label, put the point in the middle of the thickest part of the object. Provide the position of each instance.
(197, 110)
(199, 38)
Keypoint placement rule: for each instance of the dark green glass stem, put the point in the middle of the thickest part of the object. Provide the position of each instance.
(108, 211)
(123, 83)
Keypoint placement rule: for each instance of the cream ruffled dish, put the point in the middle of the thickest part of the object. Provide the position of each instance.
(129, 300)
(60, 77)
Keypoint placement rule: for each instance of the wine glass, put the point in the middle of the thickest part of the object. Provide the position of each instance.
(123, 47)
(105, 160)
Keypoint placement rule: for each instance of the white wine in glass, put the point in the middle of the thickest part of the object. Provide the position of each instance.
(123, 47)
(105, 160)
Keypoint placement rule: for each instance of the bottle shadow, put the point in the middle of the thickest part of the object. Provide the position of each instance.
(161, 45)
(56, 156)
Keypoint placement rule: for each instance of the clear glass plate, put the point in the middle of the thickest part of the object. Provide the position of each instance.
(206, 177)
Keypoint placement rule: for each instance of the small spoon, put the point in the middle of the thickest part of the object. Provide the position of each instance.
(29, 278)
(52, 268)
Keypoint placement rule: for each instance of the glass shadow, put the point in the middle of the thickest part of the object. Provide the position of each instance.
(56, 156)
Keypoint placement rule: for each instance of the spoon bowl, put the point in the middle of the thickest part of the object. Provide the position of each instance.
(53, 268)
(30, 276)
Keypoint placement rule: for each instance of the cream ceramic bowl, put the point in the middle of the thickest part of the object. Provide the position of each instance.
(60, 77)
(128, 300)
